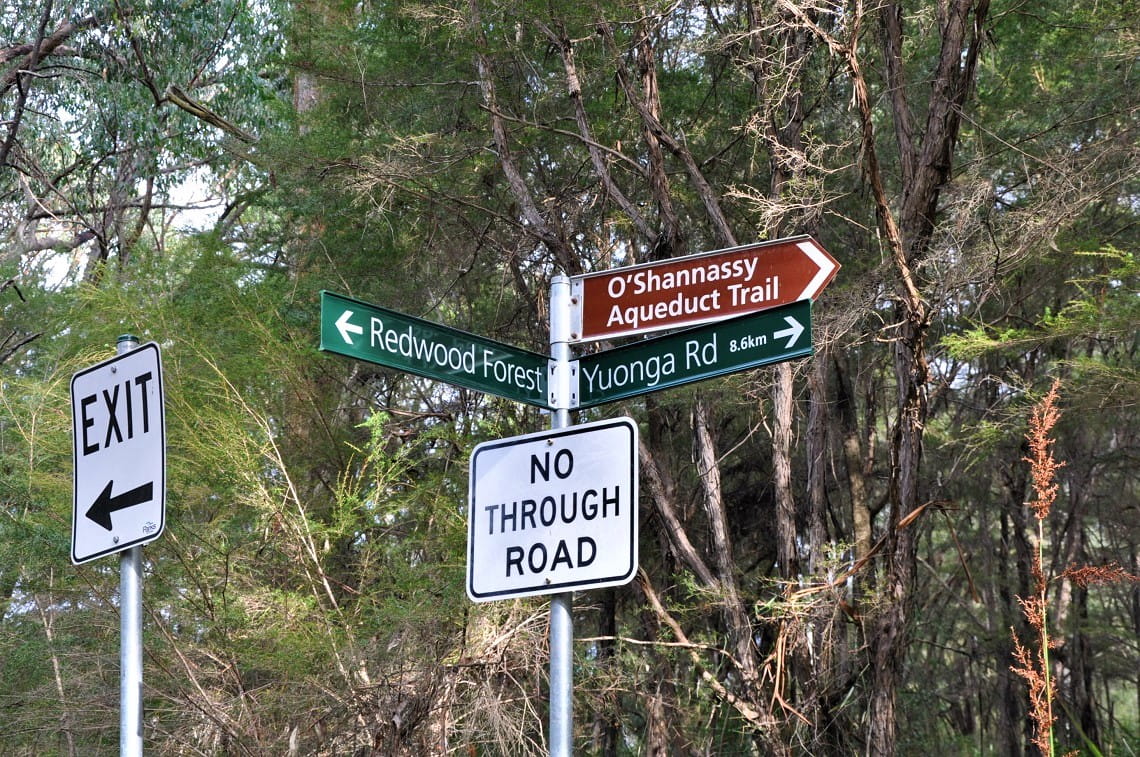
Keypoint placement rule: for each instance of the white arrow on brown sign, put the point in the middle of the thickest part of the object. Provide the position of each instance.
(702, 288)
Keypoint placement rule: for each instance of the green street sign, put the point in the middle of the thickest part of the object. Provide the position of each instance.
(375, 334)
(716, 349)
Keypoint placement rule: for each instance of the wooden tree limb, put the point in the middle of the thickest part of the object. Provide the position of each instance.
(597, 159)
(18, 77)
(953, 81)
(661, 492)
(14, 342)
(759, 720)
(848, 52)
(537, 222)
(783, 407)
(136, 47)
(892, 24)
(671, 236)
(736, 615)
(44, 46)
(605, 150)
(647, 103)
(176, 96)
(708, 471)
(853, 457)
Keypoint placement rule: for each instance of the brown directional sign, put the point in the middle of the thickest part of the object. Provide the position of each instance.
(701, 288)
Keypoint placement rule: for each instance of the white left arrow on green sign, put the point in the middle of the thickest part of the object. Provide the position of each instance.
(346, 327)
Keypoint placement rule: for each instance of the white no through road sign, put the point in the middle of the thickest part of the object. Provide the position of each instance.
(119, 450)
(554, 511)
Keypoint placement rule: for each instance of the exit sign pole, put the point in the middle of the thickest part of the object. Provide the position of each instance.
(119, 494)
(130, 633)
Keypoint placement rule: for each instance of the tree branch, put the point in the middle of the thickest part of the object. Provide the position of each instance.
(661, 491)
(18, 77)
(648, 106)
(176, 96)
(601, 168)
(538, 224)
(760, 721)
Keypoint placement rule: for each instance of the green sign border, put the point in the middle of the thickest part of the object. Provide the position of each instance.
(449, 339)
(741, 332)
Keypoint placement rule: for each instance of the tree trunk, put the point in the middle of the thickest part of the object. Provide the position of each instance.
(854, 463)
(816, 461)
(782, 406)
(605, 728)
(736, 617)
(47, 618)
(925, 171)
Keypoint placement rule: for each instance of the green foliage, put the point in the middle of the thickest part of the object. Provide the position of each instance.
(308, 594)
(1093, 333)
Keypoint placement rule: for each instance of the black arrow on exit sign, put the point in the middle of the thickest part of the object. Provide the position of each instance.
(100, 511)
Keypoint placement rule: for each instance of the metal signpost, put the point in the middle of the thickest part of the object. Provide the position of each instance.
(556, 511)
(560, 740)
(119, 496)
(702, 288)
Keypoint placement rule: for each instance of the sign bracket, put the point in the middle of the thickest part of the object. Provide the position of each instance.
(568, 388)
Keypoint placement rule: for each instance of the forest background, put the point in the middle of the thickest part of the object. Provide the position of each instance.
(837, 552)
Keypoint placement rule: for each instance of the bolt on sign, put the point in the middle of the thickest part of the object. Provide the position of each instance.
(702, 288)
(554, 511)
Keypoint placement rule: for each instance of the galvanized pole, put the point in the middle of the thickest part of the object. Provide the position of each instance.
(561, 623)
(130, 633)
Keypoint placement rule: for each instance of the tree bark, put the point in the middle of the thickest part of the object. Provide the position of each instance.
(782, 406)
(538, 224)
(736, 616)
(854, 463)
(565, 47)
(816, 460)
(606, 731)
(662, 493)
(926, 170)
